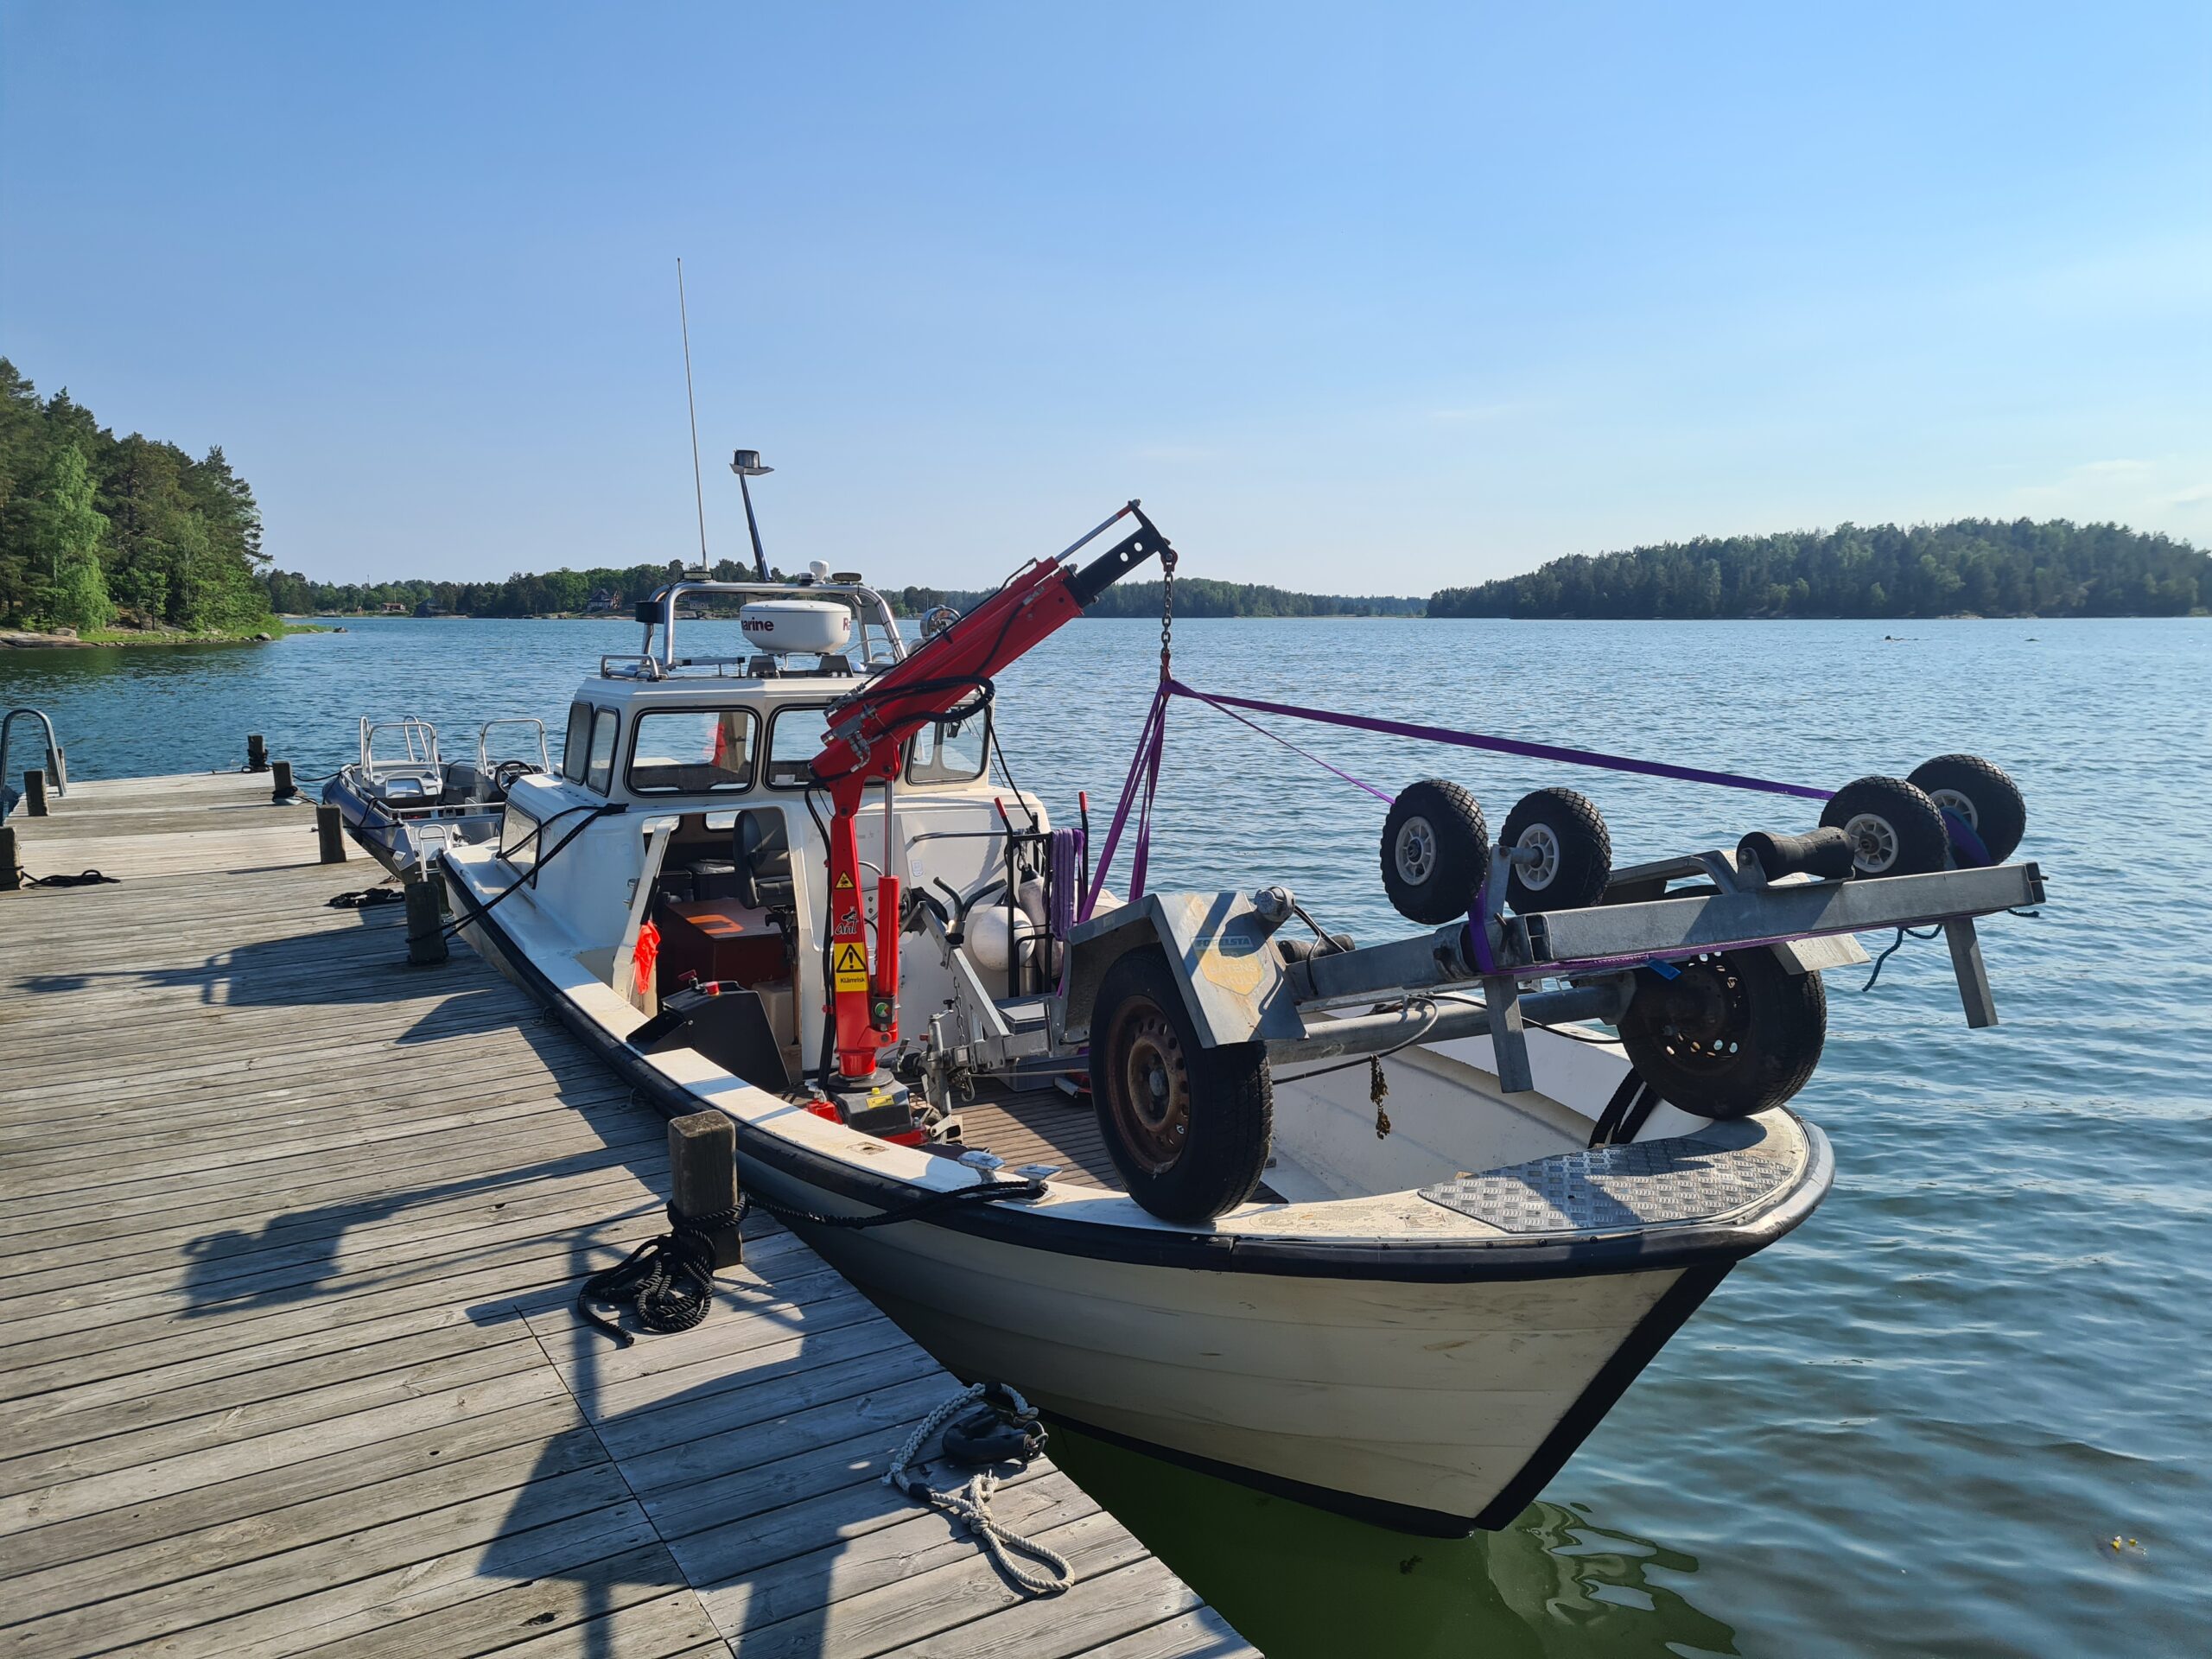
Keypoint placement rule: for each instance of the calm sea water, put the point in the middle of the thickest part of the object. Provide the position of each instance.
(1914, 1427)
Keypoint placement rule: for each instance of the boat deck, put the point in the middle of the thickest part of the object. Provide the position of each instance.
(290, 1234)
(1040, 1126)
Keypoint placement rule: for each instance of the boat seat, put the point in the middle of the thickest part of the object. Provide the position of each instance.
(762, 849)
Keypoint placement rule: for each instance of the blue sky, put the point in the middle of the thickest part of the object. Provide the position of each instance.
(1364, 300)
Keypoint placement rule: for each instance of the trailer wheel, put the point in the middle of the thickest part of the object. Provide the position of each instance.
(1435, 852)
(1895, 829)
(1984, 797)
(1734, 1033)
(1574, 851)
(1187, 1127)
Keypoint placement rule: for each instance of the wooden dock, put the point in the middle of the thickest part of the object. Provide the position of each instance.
(290, 1236)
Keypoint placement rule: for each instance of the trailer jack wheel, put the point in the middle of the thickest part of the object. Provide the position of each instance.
(1187, 1127)
(1567, 851)
(1731, 1033)
(1435, 852)
(1981, 796)
(1895, 829)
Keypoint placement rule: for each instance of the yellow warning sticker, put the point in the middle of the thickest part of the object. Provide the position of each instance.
(849, 967)
(845, 879)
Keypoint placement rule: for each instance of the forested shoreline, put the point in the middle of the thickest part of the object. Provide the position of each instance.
(100, 532)
(616, 591)
(1982, 567)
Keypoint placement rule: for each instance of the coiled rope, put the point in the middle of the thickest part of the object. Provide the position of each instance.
(971, 1506)
(669, 1280)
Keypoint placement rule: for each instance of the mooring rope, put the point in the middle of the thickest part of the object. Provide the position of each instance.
(971, 1506)
(669, 1280)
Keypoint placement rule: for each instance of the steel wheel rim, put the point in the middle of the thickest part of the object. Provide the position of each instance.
(1152, 1103)
(1873, 841)
(1414, 850)
(1539, 839)
(1712, 1041)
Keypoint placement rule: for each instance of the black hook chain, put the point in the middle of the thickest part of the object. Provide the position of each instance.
(1166, 613)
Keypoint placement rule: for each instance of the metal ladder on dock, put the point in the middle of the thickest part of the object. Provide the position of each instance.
(55, 773)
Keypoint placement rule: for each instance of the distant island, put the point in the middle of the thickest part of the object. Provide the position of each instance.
(1983, 567)
(607, 591)
(109, 540)
(114, 540)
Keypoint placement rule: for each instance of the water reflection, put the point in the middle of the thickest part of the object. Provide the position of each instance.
(1299, 1583)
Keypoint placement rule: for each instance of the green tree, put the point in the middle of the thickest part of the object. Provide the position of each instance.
(63, 542)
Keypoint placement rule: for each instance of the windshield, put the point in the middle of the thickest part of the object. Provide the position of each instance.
(692, 752)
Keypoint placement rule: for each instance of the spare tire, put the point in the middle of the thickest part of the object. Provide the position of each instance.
(1188, 1127)
(1435, 852)
(1895, 829)
(1984, 798)
(1731, 1033)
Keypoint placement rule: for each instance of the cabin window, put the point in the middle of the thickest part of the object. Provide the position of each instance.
(795, 737)
(691, 751)
(518, 836)
(951, 751)
(599, 769)
(578, 743)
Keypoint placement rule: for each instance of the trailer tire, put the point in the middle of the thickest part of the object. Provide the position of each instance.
(1188, 1127)
(1895, 829)
(1564, 827)
(1734, 1033)
(1985, 797)
(1435, 852)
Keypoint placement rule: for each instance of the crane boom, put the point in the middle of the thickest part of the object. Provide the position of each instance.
(868, 732)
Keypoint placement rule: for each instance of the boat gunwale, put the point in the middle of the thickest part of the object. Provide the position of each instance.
(1507, 1258)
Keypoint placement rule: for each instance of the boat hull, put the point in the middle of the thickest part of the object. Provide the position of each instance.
(1434, 1389)
(1441, 1408)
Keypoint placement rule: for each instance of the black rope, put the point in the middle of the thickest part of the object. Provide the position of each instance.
(594, 812)
(87, 879)
(669, 1280)
(959, 1197)
(1896, 945)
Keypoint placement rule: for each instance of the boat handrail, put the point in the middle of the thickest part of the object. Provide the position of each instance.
(484, 740)
(420, 736)
(57, 762)
(663, 604)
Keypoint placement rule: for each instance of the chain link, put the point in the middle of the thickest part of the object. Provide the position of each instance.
(1166, 613)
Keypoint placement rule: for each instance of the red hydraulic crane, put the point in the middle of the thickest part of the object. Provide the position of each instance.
(868, 732)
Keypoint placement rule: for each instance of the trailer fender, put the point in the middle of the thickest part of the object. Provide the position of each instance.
(1220, 950)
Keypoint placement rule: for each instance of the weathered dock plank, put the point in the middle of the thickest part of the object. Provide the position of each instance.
(289, 1238)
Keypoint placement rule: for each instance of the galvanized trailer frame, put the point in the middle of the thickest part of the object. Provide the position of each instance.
(1550, 968)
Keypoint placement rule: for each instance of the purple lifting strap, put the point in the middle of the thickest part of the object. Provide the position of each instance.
(1144, 774)
(1502, 746)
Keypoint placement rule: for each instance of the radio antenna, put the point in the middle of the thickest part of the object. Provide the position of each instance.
(698, 489)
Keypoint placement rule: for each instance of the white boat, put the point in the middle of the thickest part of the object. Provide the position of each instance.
(402, 796)
(1411, 1309)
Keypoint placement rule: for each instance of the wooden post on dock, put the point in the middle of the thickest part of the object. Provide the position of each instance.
(34, 794)
(702, 1177)
(256, 752)
(283, 791)
(426, 924)
(330, 831)
(11, 879)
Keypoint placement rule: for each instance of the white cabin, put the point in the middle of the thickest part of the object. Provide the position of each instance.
(709, 757)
